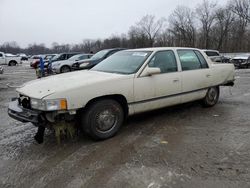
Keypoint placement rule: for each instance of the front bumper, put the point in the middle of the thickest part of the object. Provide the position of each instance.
(56, 70)
(22, 114)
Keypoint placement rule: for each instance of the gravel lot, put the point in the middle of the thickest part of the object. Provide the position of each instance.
(182, 146)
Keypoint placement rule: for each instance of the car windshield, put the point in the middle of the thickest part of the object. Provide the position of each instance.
(99, 55)
(48, 57)
(56, 57)
(75, 57)
(124, 62)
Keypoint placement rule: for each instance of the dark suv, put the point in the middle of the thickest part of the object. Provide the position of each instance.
(95, 59)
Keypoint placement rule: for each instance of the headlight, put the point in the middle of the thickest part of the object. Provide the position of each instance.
(84, 64)
(49, 105)
(56, 65)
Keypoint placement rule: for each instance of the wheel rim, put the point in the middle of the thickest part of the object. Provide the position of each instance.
(106, 120)
(65, 69)
(212, 95)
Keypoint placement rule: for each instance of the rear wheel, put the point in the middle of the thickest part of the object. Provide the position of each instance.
(65, 69)
(102, 119)
(12, 63)
(211, 97)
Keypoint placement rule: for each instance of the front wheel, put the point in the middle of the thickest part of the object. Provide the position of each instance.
(65, 69)
(211, 97)
(12, 63)
(102, 119)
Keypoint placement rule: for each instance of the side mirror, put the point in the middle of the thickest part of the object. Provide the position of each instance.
(149, 71)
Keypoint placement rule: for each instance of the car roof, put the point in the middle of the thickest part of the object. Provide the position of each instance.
(162, 48)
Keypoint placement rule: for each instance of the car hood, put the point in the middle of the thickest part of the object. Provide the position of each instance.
(43, 87)
(87, 60)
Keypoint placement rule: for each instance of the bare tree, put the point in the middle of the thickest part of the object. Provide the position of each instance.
(224, 19)
(148, 28)
(182, 26)
(241, 8)
(206, 16)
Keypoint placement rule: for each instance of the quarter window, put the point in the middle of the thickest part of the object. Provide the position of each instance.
(202, 59)
(165, 60)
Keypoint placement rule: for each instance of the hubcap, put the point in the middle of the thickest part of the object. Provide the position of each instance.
(212, 95)
(106, 120)
(65, 69)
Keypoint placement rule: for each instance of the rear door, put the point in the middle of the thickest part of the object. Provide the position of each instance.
(196, 75)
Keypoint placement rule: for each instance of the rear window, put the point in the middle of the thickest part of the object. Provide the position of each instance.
(212, 53)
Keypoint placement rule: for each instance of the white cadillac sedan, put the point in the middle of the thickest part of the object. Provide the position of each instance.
(126, 83)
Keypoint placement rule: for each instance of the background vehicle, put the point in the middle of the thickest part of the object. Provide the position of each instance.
(23, 56)
(10, 60)
(33, 59)
(241, 61)
(95, 59)
(48, 64)
(126, 83)
(214, 55)
(66, 65)
(46, 59)
(1, 70)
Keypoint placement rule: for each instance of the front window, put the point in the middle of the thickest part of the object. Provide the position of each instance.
(124, 62)
(165, 60)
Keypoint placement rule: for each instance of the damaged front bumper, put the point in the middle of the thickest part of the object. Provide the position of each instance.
(22, 114)
(38, 118)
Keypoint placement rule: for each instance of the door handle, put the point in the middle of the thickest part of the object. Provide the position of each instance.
(176, 80)
(208, 75)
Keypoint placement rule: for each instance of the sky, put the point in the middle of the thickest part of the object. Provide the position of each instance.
(71, 21)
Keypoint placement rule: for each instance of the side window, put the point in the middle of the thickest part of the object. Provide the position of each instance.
(212, 53)
(62, 57)
(82, 57)
(202, 59)
(165, 60)
(189, 60)
(111, 53)
(70, 55)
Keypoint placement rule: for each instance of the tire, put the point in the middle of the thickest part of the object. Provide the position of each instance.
(211, 97)
(64, 69)
(12, 63)
(102, 119)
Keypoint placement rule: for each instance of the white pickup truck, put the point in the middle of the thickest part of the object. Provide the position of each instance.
(126, 83)
(9, 60)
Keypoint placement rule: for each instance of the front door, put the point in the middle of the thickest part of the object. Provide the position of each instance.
(159, 90)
